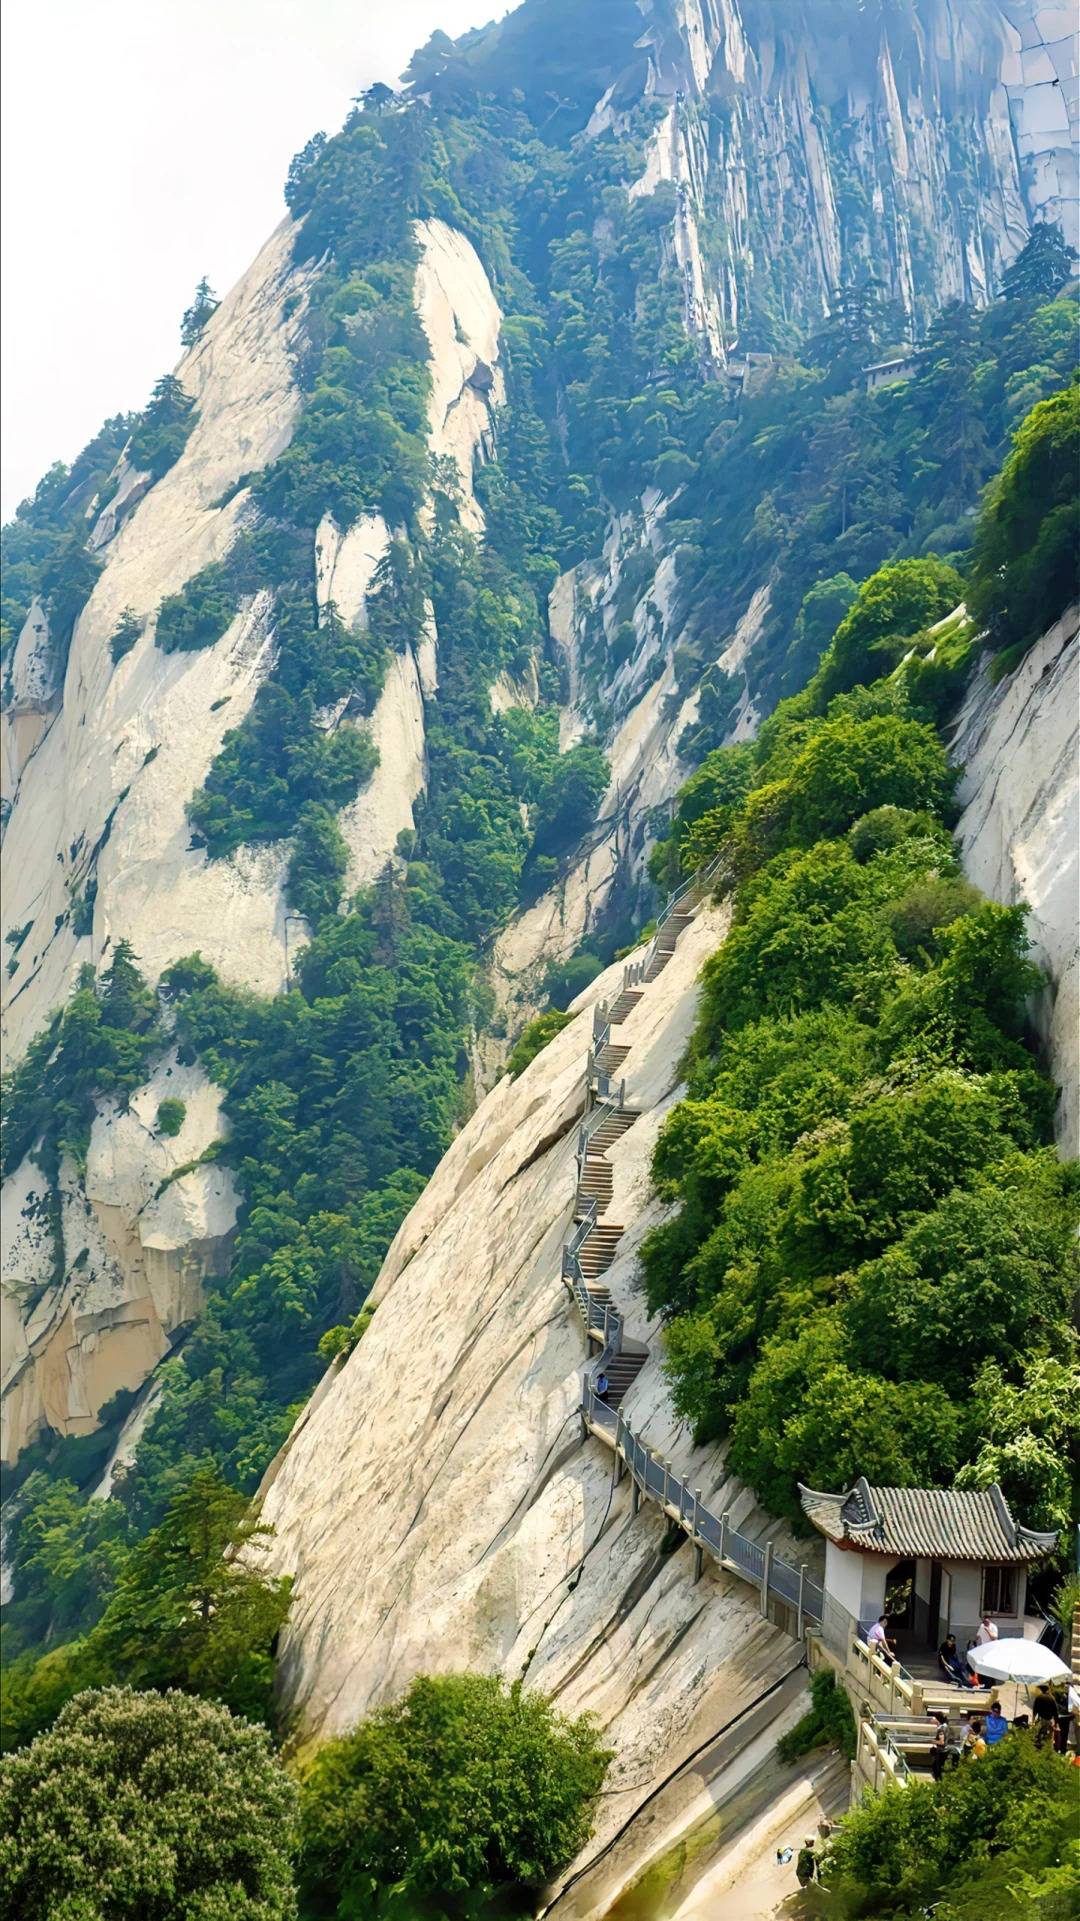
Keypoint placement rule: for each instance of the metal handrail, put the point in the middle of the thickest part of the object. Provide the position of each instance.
(693, 887)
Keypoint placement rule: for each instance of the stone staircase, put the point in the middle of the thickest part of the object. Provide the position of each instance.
(589, 1250)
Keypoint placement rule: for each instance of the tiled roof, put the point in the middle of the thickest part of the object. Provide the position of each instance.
(950, 1524)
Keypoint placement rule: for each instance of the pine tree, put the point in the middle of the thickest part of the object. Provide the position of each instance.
(1042, 269)
(202, 309)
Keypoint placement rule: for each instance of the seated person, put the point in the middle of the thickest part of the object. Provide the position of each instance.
(877, 1639)
(995, 1726)
(974, 1743)
(951, 1663)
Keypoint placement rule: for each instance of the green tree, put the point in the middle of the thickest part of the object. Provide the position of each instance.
(1042, 266)
(318, 864)
(456, 1793)
(811, 1415)
(978, 1842)
(203, 308)
(1025, 570)
(189, 1610)
(534, 1038)
(822, 610)
(162, 430)
(125, 635)
(147, 1807)
(1028, 1437)
(896, 602)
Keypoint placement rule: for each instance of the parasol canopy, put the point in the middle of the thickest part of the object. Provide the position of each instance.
(1017, 1660)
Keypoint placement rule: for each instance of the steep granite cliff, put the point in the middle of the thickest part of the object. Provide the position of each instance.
(772, 165)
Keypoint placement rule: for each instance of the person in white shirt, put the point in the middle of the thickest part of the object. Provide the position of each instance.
(986, 1631)
(878, 1640)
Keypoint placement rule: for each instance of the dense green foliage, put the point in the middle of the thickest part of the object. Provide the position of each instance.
(1027, 550)
(873, 1263)
(458, 1792)
(97, 1047)
(828, 1721)
(171, 1115)
(178, 1609)
(43, 547)
(863, 990)
(147, 1807)
(993, 1837)
(161, 432)
(534, 1038)
(808, 484)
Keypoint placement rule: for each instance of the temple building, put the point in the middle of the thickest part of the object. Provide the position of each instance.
(932, 1558)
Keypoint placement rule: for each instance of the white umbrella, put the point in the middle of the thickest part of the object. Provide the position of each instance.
(1016, 1660)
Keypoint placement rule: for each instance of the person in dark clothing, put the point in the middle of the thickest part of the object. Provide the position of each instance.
(806, 1863)
(951, 1663)
(941, 1742)
(601, 1387)
(1044, 1713)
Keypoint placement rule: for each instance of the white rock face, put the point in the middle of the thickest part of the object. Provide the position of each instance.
(345, 564)
(436, 1502)
(1019, 834)
(99, 773)
(460, 315)
(138, 1246)
(105, 793)
(384, 807)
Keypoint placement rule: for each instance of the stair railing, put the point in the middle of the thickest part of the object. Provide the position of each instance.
(709, 1532)
(690, 889)
(594, 1121)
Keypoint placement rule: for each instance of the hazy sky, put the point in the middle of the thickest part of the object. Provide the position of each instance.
(145, 142)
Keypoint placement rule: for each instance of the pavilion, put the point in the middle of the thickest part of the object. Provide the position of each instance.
(934, 1559)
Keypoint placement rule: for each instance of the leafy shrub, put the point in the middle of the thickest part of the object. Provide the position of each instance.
(534, 1038)
(828, 1721)
(342, 1340)
(171, 1116)
(996, 1837)
(1026, 569)
(199, 614)
(458, 1792)
(129, 1807)
(125, 635)
(893, 604)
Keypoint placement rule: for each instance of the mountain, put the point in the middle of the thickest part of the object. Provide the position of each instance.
(350, 688)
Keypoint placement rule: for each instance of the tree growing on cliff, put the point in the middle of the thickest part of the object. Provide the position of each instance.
(203, 308)
(459, 1792)
(1042, 267)
(188, 1611)
(147, 1807)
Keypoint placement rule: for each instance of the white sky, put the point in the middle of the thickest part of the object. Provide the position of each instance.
(145, 142)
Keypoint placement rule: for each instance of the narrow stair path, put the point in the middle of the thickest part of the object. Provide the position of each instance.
(786, 1593)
